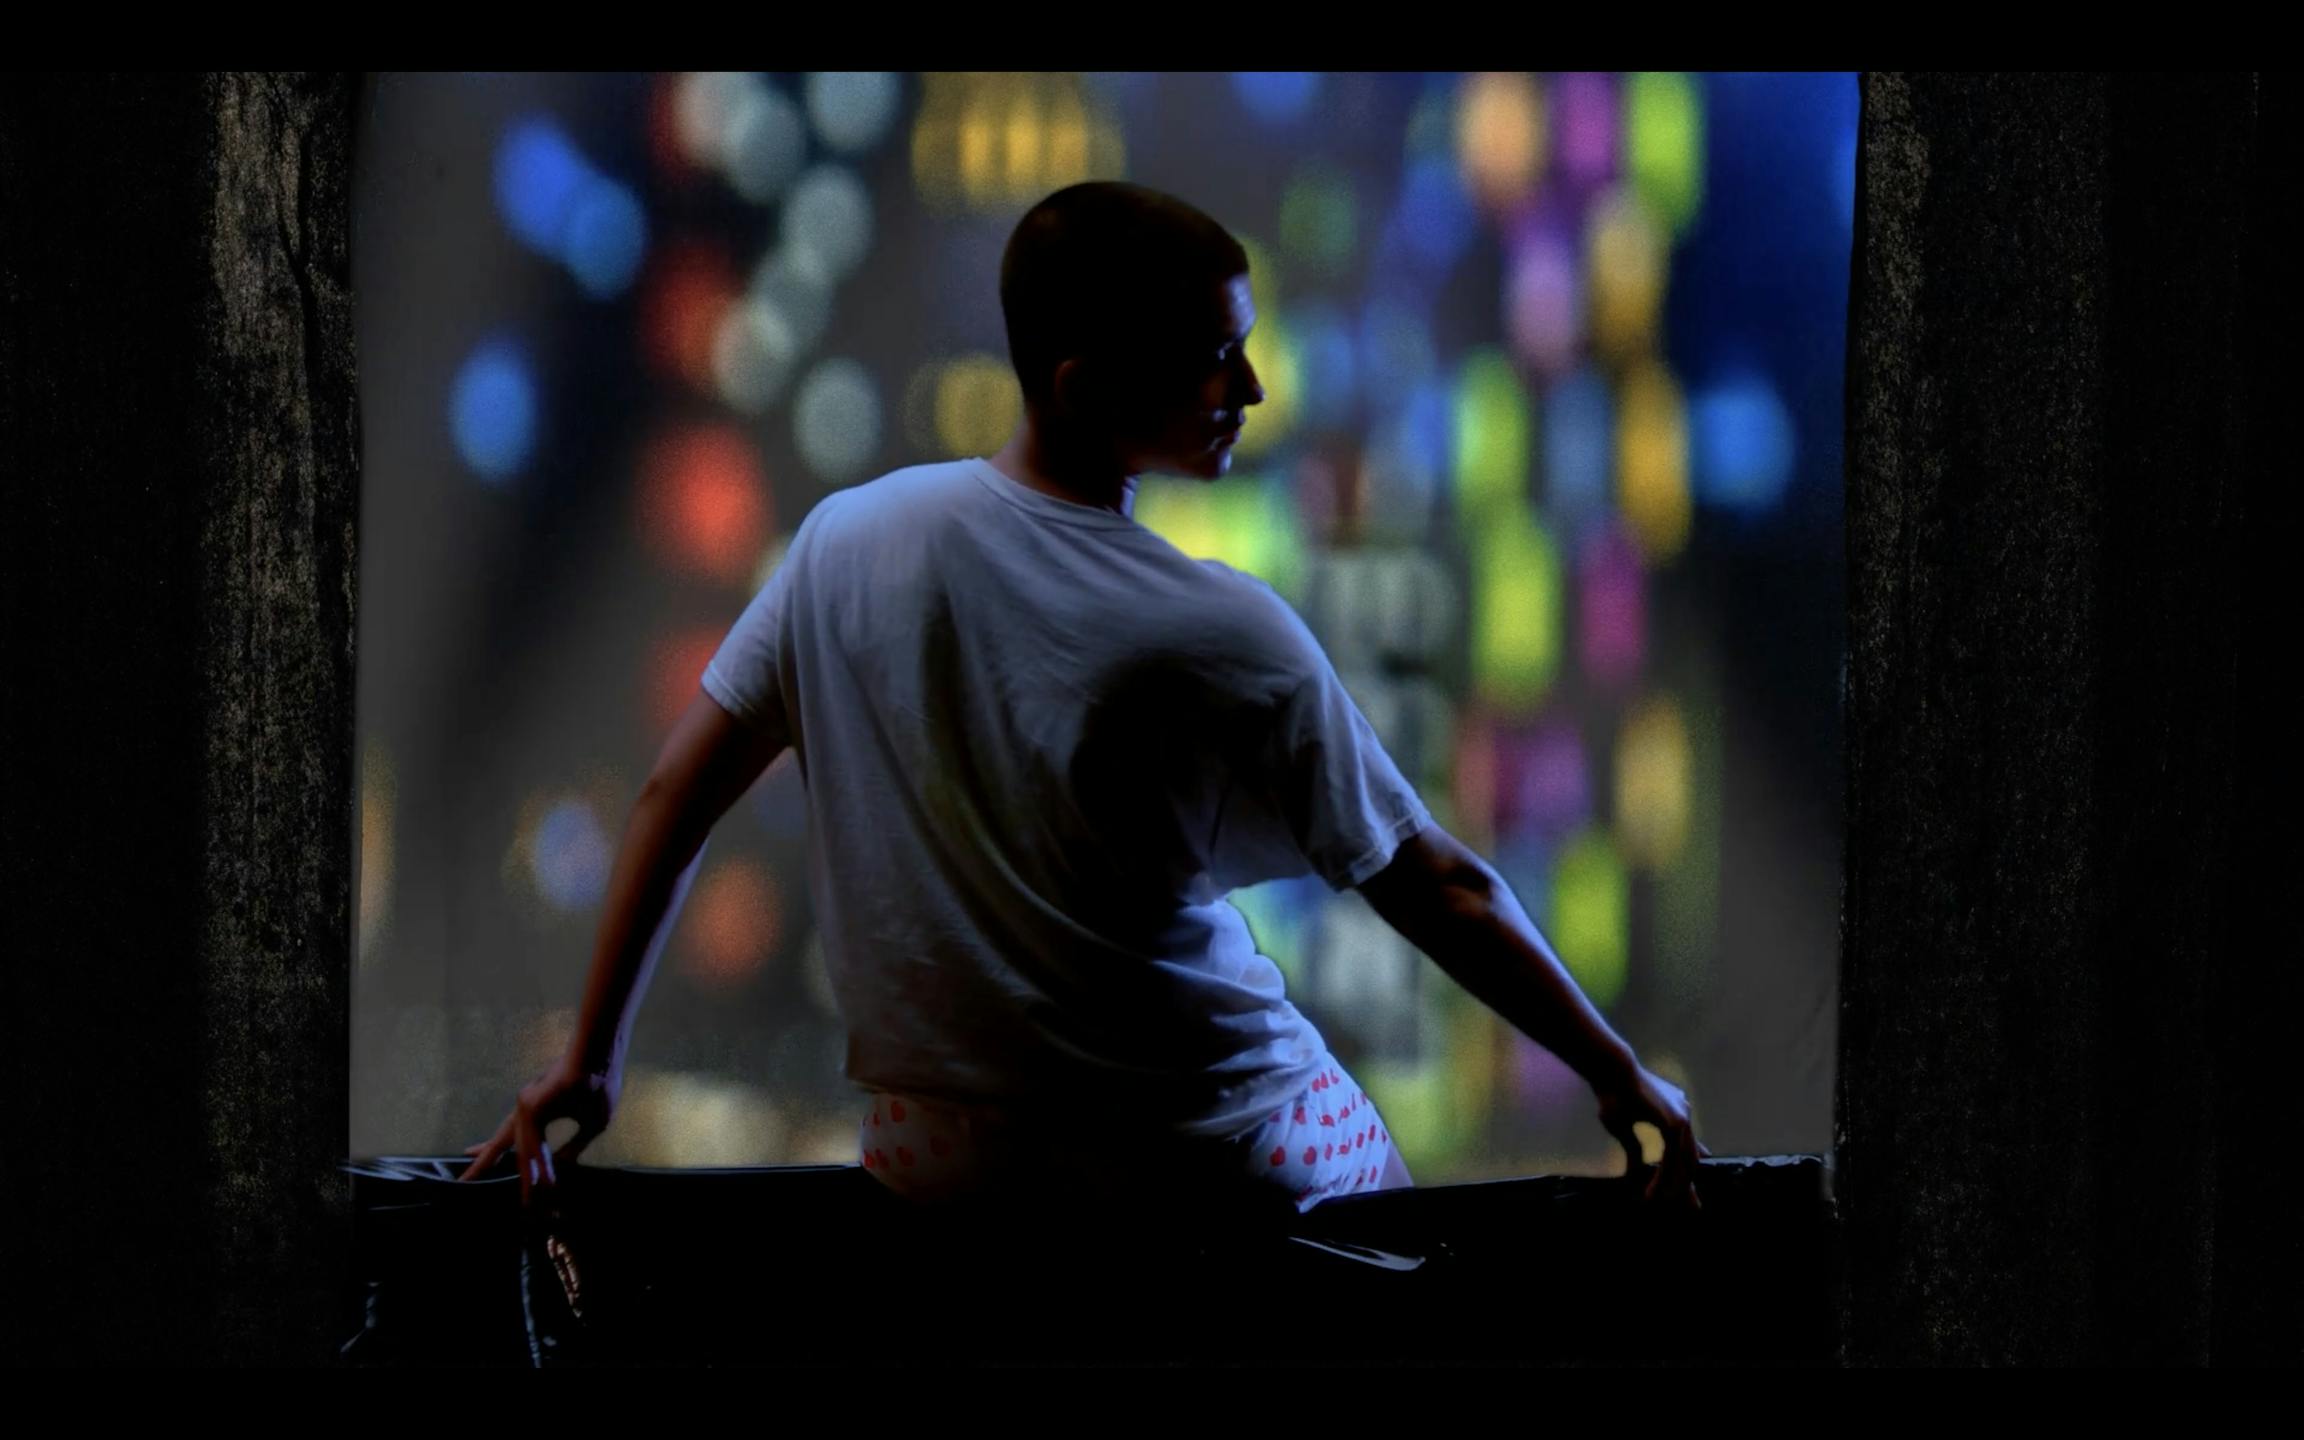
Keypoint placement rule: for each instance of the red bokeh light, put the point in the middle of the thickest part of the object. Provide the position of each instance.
(704, 503)
(734, 920)
(687, 288)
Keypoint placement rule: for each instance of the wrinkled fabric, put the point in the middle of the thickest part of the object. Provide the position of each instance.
(1040, 745)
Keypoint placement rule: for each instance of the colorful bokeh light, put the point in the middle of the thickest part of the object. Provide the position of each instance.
(1590, 916)
(494, 410)
(1652, 462)
(1516, 611)
(1497, 474)
(704, 501)
(732, 923)
(1501, 137)
(1652, 783)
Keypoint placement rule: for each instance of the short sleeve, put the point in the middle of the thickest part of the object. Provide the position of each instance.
(746, 674)
(1333, 788)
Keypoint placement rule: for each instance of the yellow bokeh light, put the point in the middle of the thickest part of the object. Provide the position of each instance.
(978, 405)
(1652, 783)
(1022, 150)
(936, 140)
(1067, 141)
(1263, 277)
(829, 1141)
(998, 141)
(674, 1119)
(1474, 1052)
(1242, 520)
(1183, 513)
(1626, 254)
(981, 114)
(1652, 461)
(1500, 136)
(1274, 355)
(1418, 1106)
(1687, 914)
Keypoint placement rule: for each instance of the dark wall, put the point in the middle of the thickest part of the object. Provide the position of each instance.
(179, 449)
(2068, 977)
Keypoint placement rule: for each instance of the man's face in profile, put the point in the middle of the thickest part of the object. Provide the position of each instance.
(1184, 393)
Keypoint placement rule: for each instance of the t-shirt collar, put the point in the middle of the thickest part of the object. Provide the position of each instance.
(1019, 494)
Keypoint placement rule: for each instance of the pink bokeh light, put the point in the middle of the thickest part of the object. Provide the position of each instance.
(1612, 608)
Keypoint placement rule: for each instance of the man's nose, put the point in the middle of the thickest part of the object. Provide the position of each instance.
(1252, 393)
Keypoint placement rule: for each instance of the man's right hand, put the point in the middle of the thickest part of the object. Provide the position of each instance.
(1453, 906)
(1645, 1096)
(585, 1094)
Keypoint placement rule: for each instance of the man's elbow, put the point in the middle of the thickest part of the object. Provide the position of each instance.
(1432, 876)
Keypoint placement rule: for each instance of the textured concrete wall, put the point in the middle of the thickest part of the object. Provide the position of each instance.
(179, 448)
(2055, 1008)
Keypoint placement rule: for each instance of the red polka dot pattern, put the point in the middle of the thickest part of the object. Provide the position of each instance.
(923, 1148)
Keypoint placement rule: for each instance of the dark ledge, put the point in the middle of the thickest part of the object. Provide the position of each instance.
(803, 1264)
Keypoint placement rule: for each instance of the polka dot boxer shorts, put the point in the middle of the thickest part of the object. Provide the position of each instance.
(1326, 1141)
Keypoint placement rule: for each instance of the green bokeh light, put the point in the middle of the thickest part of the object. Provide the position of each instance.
(1664, 115)
(1320, 219)
(1248, 522)
(1516, 610)
(1489, 435)
(1591, 902)
(1278, 934)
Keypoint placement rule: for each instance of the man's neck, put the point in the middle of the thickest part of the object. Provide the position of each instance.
(1084, 474)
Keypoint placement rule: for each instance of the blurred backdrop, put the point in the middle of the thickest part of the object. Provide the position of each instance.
(1551, 465)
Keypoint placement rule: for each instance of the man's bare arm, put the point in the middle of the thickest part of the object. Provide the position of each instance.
(708, 762)
(1453, 906)
(710, 759)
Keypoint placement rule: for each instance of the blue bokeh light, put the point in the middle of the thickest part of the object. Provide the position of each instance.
(1277, 96)
(605, 237)
(571, 857)
(1436, 218)
(559, 206)
(1396, 345)
(1425, 428)
(540, 178)
(1743, 443)
(1579, 450)
(493, 409)
(1324, 347)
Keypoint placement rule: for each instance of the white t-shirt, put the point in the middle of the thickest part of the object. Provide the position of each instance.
(1040, 745)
